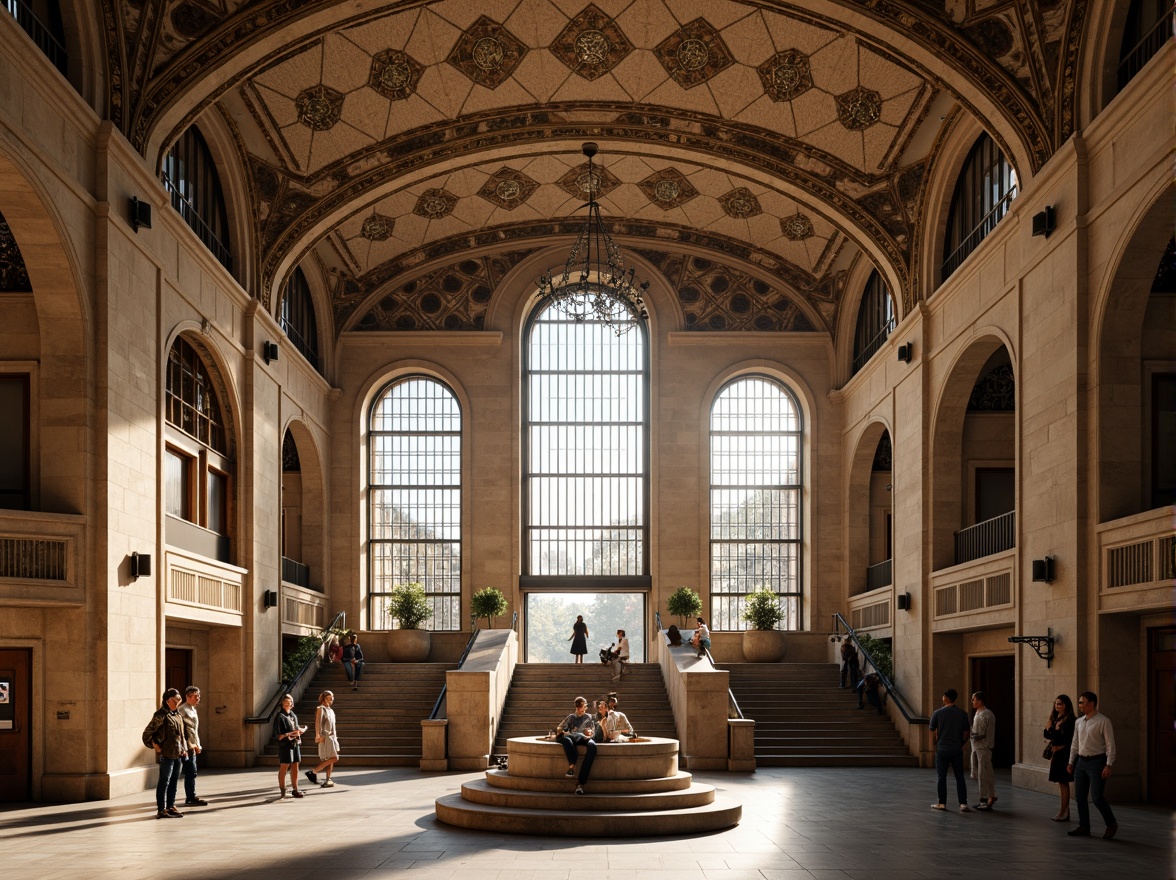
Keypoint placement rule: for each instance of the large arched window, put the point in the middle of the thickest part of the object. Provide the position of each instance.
(756, 498)
(197, 469)
(189, 174)
(414, 498)
(297, 317)
(586, 439)
(875, 321)
(983, 193)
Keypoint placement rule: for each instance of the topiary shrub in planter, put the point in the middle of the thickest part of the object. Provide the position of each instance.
(408, 609)
(684, 603)
(488, 603)
(763, 643)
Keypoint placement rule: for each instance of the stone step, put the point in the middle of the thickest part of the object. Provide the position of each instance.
(479, 791)
(674, 782)
(834, 760)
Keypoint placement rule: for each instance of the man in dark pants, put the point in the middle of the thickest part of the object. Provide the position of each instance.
(1091, 755)
(949, 731)
(577, 730)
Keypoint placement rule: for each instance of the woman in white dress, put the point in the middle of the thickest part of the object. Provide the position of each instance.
(328, 741)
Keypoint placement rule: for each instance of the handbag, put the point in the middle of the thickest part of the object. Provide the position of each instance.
(1048, 753)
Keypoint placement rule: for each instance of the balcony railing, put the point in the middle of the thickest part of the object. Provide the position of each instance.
(986, 587)
(295, 573)
(1143, 51)
(40, 34)
(302, 610)
(979, 232)
(1138, 559)
(41, 558)
(192, 217)
(205, 590)
(871, 347)
(985, 538)
(879, 576)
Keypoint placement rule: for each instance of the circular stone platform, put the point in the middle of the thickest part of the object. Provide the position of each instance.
(635, 790)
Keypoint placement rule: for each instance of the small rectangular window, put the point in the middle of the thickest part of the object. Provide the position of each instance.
(177, 485)
(218, 493)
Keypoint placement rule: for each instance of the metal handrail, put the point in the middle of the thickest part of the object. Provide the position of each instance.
(39, 33)
(191, 215)
(994, 535)
(732, 703)
(1143, 51)
(979, 232)
(891, 689)
(872, 347)
(339, 624)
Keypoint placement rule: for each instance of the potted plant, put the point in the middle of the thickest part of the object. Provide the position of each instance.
(408, 609)
(684, 603)
(763, 643)
(488, 603)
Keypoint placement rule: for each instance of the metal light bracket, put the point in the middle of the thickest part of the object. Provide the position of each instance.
(1043, 645)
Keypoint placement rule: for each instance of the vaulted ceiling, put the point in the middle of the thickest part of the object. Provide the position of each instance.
(411, 153)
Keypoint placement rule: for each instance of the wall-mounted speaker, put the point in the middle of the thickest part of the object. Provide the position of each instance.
(140, 214)
(270, 599)
(269, 351)
(1044, 222)
(140, 565)
(1043, 570)
(906, 352)
(904, 601)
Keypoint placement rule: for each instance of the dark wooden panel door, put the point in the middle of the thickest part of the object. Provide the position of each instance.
(1161, 716)
(16, 716)
(177, 671)
(995, 676)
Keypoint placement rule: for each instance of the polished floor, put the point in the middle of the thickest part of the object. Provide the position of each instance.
(798, 824)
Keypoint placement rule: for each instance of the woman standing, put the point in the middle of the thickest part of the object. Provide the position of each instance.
(289, 736)
(165, 734)
(324, 735)
(579, 638)
(1059, 730)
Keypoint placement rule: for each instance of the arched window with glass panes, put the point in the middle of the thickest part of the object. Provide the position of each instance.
(586, 452)
(756, 500)
(197, 464)
(875, 321)
(189, 176)
(297, 317)
(414, 498)
(983, 194)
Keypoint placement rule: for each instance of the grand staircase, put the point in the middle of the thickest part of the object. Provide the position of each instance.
(380, 723)
(541, 695)
(802, 719)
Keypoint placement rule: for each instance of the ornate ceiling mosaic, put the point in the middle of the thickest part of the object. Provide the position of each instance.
(795, 135)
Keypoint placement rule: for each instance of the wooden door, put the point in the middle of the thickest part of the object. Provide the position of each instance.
(178, 668)
(16, 716)
(1161, 716)
(995, 676)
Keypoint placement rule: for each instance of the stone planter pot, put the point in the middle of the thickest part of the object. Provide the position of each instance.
(763, 645)
(409, 645)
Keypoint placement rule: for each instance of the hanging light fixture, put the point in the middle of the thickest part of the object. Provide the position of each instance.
(595, 284)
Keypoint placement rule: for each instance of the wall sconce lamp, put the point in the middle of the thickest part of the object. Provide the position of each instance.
(906, 352)
(140, 214)
(1043, 645)
(1044, 222)
(1043, 570)
(140, 565)
(269, 599)
(904, 601)
(269, 351)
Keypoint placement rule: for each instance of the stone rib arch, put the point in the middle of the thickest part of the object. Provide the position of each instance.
(61, 300)
(314, 500)
(864, 443)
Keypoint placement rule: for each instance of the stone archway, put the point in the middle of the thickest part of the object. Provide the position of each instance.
(864, 506)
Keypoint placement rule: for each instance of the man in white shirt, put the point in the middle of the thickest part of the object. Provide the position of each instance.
(616, 725)
(622, 655)
(982, 739)
(1091, 756)
(192, 732)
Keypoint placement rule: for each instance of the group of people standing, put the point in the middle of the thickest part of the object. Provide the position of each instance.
(288, 733)
(1080, 748)
(609, 724)
(173, 733)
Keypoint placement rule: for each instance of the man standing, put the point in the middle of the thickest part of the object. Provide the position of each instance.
(192, 733)
(1091, 755)
(949, 730)
(983, 736)
(622, 655)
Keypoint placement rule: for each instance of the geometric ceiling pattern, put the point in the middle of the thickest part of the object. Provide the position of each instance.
(390, 142)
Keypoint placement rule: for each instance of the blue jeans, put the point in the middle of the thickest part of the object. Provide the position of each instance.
(169, 778)
(354, 673)
(1088, 781)
(955, 760)
(188, 765)
(569, 741)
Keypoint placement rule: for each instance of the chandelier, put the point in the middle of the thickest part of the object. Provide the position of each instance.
(595, 286)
